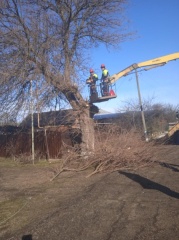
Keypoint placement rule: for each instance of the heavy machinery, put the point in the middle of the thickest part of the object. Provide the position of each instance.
(173, 128)
(156, 62)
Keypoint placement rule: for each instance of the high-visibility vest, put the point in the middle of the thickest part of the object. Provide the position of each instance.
(105, 73)
(95, 75)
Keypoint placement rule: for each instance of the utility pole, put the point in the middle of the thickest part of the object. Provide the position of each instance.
(32, 122)
(141, 108)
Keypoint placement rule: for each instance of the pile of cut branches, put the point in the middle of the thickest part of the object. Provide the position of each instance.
(115, 150)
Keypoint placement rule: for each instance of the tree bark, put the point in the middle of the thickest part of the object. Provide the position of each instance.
(87, 129)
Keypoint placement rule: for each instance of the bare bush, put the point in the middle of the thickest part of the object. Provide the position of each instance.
(121, 149)
(115, 149)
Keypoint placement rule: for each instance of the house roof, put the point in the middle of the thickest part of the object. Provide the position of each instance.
(106, 115)
(52, 118)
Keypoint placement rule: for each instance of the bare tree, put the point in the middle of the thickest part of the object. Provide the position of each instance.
(47, 41)
(157, 115)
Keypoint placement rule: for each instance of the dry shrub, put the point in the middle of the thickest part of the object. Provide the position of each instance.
(118, 149)
(115, 149)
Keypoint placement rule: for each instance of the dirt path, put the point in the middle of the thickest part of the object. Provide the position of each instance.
(122, 205)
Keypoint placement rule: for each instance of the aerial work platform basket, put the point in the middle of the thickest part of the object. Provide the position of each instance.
(99, 95)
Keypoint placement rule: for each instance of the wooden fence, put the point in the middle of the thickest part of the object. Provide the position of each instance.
(48, 143)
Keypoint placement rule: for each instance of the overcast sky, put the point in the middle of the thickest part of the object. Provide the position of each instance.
(156, 24)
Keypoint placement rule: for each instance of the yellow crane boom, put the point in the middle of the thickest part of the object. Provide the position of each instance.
(156, 62)
(173, 129)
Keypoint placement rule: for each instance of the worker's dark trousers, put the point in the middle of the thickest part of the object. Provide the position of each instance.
(93, 89)
(105, 89)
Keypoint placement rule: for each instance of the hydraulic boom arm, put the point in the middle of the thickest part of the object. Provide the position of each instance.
(156, 62)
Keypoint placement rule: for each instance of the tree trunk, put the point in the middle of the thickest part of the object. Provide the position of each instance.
(85, 111)
(87, 130)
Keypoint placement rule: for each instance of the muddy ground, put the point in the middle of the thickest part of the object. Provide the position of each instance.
(127, 205)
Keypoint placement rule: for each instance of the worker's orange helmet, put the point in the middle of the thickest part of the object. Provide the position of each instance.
(91, 70)
(102, 66)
